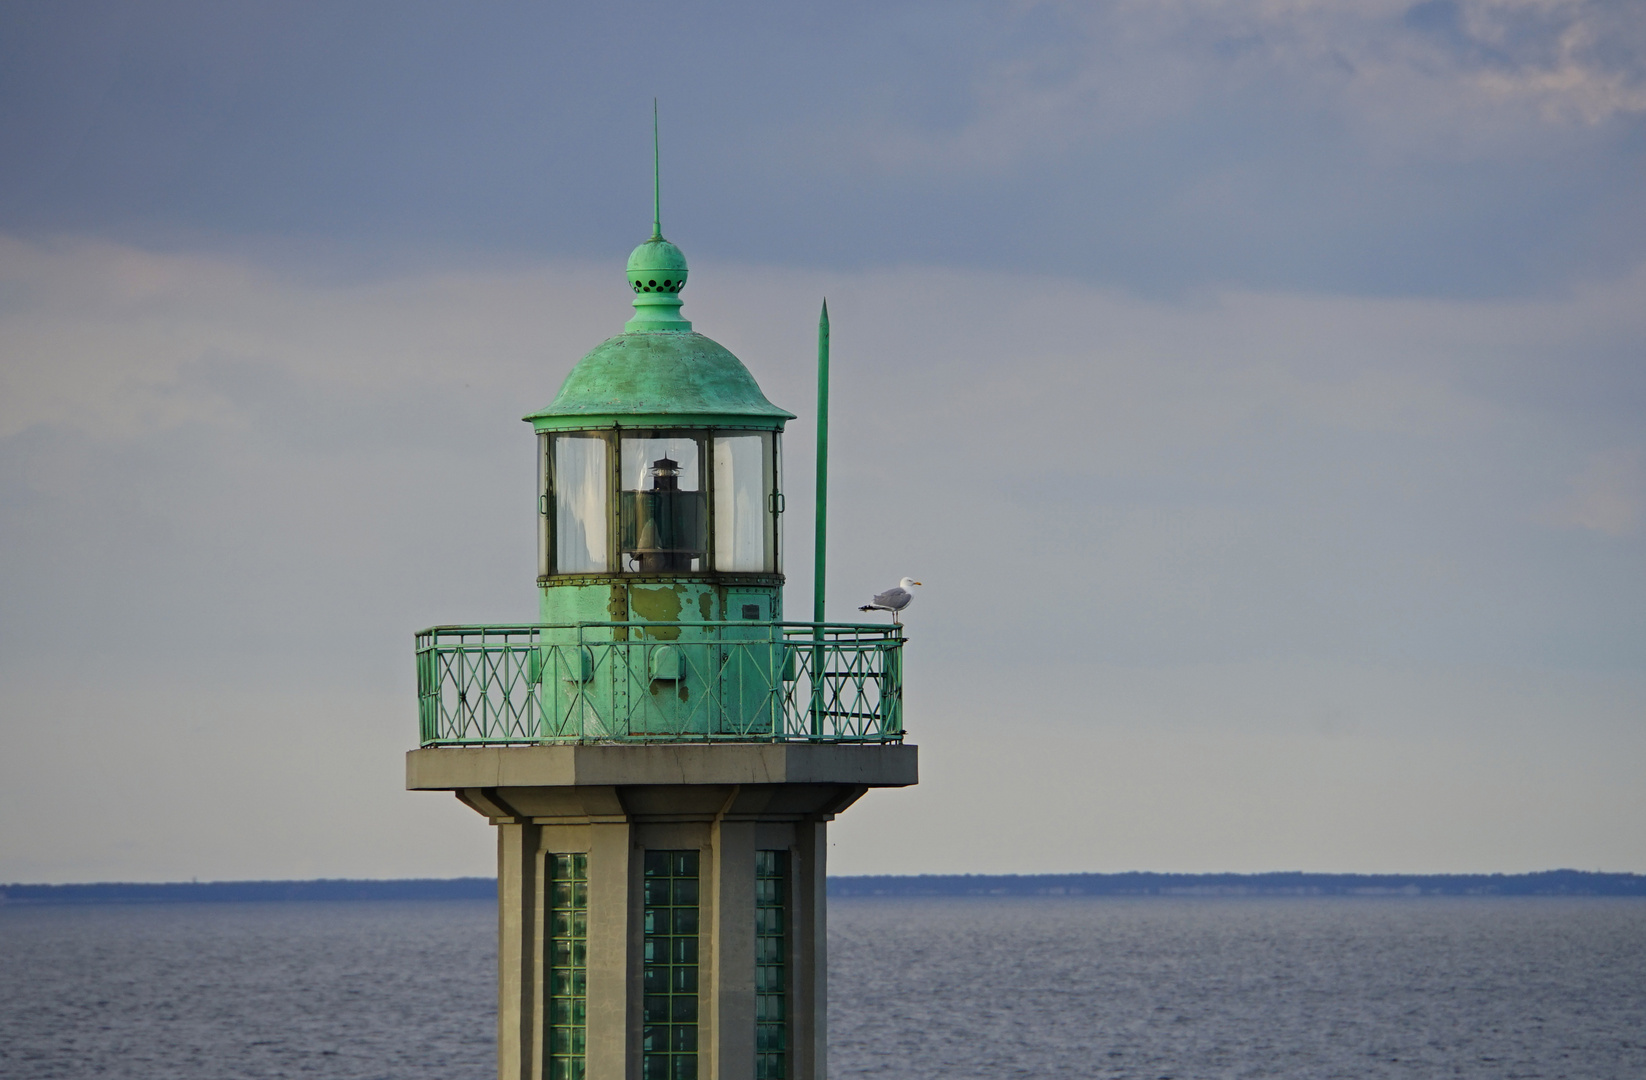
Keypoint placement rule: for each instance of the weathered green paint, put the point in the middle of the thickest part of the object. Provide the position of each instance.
(657, 604)
(753, 680)
(658, 374)
(662, 379)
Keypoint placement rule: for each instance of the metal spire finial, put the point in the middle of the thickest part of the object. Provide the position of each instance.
(657, 197)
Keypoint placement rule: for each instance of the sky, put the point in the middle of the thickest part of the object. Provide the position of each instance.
(1258, 387)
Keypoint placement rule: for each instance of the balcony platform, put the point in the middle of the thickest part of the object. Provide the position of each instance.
(863, 765)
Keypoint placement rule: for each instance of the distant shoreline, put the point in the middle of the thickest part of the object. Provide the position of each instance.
(1136, 884)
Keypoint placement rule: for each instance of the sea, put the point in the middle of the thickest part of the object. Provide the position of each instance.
(1145, 988)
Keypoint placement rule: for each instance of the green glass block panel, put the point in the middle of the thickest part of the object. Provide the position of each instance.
(770, 973)
(669, 1003)
(566, 954)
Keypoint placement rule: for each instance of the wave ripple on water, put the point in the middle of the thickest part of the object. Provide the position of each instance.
(1123, 988)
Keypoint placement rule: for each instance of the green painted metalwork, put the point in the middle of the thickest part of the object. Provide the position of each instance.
(820, 542)
(674, 379)
(669, 967)
(754, 681)
(820, 536)
(660, 579)
(658, 373)
(568, 1004)
(771, 985)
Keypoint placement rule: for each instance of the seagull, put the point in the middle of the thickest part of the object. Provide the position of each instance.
(893, 600)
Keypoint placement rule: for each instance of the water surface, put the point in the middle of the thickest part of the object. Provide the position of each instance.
(1076, 987)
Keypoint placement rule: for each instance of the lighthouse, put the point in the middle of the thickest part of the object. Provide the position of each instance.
(661, 752)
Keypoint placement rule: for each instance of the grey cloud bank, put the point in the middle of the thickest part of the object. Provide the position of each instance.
(1250, 581)
(1472, 148)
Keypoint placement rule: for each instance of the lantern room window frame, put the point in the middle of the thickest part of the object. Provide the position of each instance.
(716, 531)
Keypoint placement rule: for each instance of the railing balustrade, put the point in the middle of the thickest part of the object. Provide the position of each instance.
(660, 682)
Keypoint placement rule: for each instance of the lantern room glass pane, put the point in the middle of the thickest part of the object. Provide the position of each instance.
(662, 512)
(580, 482)
(743, 490)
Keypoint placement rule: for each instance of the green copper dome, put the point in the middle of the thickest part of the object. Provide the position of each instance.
(657, 273)
(659, 373)
(660, 379)
(658, 256)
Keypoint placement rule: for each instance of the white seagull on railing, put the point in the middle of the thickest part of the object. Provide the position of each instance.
(893, 600)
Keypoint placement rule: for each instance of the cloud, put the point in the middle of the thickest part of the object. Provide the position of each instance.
(1436, 148)
(1414, 74)
(1138, 520)
(1608, 495)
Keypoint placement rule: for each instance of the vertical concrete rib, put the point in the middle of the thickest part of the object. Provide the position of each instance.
(518, 971)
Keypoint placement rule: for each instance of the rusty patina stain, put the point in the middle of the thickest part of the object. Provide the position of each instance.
(659, 605)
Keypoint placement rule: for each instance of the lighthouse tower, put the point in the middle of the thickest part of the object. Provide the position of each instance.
(661, 752)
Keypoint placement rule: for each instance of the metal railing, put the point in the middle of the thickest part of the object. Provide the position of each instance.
(660, 682)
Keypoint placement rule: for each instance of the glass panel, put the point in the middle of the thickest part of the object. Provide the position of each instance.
(771, 1030)
(568, 964)
(669, 971)
(580, 504)
(743, 491)
(777, 519)
(663, 512)
(543, 568)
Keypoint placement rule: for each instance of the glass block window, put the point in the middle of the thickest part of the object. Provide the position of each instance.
(669, 1031)
(771, 1015)
(568, 946)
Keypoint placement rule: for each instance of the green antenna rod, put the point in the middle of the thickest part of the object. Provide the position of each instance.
(657, 196)
(820, 546)
(820, 542)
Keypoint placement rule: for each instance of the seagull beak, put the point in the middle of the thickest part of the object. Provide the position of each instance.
(918, 583)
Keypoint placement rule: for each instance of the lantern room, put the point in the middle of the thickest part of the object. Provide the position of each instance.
(660, 468)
